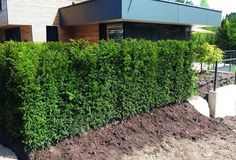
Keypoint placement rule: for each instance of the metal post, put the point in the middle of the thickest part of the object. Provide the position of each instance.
(215, 78)
(234, 64)
(201, 68)
(230, 64)
(235, 77)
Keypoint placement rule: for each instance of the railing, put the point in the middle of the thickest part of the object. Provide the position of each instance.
(226, 69)
(229, 54)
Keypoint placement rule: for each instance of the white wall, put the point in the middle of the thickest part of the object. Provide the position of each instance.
(25, 12)
(38, 13)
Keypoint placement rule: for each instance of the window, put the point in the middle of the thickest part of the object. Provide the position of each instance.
(115, 32)
(155, 32)
(13, 34)
(52, 33)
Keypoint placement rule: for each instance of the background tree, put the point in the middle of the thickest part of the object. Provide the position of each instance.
(201, 38)
(232, 20)
(226, 35)
(204, 3)
(184, 1)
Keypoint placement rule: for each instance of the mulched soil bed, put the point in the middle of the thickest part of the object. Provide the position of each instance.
(115, 140)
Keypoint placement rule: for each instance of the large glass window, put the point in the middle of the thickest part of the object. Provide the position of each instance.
(156, 31)
(150, 31)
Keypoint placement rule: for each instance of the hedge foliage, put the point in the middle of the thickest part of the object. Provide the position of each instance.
(53, 90)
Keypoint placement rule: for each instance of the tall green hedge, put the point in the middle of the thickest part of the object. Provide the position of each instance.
(52, 90)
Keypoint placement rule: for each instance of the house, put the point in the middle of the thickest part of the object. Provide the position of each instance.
(31, 20)
(61, 20)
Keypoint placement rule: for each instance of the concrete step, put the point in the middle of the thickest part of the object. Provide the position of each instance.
(6, 154)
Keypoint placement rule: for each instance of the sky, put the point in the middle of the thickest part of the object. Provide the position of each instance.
(227, 6)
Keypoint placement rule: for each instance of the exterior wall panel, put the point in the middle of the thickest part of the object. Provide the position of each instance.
(169, 13)
(190, 15)
(3, 13)
(65, 33)
(149, 10)
(214, 18)
(35, 12)
(91, 12)
(2, 35)
(26, 33)
(89, 32)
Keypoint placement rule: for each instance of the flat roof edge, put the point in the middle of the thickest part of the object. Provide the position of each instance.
(91, 11)
(189, 5)
(164, 1)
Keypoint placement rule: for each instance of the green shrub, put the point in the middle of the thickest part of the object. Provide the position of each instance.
(53, 90)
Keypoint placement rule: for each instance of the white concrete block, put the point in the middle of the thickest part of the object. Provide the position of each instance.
(6, 154)
(200, 105)
(222, 102)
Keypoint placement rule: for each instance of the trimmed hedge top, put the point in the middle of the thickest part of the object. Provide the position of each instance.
(53, 90)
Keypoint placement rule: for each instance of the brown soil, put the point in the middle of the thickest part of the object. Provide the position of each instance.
(215, 146)
(148, 134)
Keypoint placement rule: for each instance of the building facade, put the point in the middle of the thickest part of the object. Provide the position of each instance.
(61, 20)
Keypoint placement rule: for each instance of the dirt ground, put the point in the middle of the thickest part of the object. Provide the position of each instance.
(215, 147)
(174, 132)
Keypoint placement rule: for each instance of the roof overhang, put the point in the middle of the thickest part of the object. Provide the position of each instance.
(155, 11)
(196, 30)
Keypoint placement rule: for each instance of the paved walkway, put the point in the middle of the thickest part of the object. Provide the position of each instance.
(6, 154)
